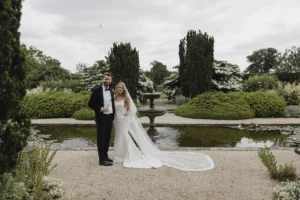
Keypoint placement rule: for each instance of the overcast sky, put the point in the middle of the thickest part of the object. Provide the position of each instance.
(84, 31)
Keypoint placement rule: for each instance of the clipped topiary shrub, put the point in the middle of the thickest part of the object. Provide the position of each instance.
(266, 104)
(55, 104)
(216, 106)
(234, 105)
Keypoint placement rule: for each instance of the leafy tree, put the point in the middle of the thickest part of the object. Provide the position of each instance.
(196, 55)
(263, 60)
(14, 125)
(158, 72)
(290, 62)
(148, 74)
(42, 68)
(182, 69)
(80, 67)
(124, 65)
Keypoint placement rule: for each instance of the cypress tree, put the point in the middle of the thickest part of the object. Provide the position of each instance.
(196, 54)
(124, 65)
(14, 125)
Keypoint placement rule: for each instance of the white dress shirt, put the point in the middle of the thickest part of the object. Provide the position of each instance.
(107, 100)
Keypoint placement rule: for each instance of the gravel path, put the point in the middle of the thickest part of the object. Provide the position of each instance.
(237, 175)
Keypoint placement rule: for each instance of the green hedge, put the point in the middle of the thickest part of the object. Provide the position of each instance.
(54, 104)
(266, 104)
(260, 83)
(234, 105)
(84, 114)
(216, 106)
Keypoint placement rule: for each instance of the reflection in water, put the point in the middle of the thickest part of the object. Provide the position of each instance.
(246, 142)
(84, 137)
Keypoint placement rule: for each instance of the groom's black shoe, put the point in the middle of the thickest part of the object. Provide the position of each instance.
(108, 159)
(105, 163)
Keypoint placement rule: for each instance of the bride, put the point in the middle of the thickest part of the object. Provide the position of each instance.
(135, 149)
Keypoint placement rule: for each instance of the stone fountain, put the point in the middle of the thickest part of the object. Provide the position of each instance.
(152, 112)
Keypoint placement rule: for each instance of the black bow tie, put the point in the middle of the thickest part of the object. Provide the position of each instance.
(107, 89)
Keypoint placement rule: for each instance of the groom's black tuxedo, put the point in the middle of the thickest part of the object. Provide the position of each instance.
(103, 121)
(96, 101)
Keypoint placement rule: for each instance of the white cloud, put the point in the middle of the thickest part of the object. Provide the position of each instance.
(70, 30)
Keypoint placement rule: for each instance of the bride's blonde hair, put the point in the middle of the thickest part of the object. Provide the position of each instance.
(124, 94)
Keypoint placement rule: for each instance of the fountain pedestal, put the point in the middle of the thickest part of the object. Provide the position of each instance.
(152, 112)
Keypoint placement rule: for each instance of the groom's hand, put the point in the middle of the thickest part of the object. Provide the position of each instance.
(104, 109)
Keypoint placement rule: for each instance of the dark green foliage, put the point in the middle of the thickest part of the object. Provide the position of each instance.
(266, 104)
(290, 98)
(290, 61)
(287, 77)
(158, 72)
(55, 104)
(263, 60)
(13, 139)
(124, 65)
(234, 105)
(12, 71)
(84, 114)
(216, 106)
(14, 125)
(196, 55)
(42, 68)
(182, 69)
(286, 65)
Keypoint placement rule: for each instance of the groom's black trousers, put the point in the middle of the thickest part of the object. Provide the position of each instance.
(104, 126)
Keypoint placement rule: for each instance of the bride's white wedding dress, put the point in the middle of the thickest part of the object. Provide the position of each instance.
(147, 155)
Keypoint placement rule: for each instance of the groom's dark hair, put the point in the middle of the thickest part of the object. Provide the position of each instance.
(107, 74)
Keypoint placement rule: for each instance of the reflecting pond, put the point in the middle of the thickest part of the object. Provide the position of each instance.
(84, 137)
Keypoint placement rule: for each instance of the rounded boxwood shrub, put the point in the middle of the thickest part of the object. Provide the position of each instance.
(216, 106)
(234, 105)
(54, 104)
(84, 114)
(266, 104)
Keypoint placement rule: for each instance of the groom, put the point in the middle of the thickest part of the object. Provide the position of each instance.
(102, 102)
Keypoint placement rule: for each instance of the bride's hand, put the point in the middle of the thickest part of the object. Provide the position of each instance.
(127, 113)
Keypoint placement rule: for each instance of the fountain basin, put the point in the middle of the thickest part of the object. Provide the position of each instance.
(145, 111)
(152, 113)
(152, 95)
